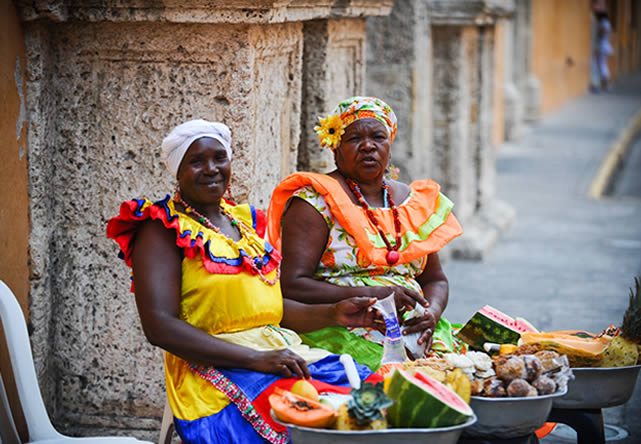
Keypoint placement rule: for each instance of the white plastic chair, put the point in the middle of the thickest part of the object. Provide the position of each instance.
(39, 426)
(8, 432)
(167, 427)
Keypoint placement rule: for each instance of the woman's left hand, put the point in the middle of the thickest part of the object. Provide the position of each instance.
(425, 324)
(355, 312)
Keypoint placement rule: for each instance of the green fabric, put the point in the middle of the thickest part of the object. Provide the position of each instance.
(444, 334)
(423, 232)
(339, 340)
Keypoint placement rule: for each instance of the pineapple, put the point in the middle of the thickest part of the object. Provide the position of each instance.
(625, 349)
(365, 410)
(459, 383)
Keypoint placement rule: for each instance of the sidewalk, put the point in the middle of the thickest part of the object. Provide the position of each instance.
(568, 261)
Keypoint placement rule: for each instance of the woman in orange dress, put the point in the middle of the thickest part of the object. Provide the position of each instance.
(355, 232)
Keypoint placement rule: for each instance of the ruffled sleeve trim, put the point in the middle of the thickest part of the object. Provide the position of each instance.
(195, 239)
(427, 221)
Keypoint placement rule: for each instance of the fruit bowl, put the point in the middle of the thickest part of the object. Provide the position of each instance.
(510, 417)
(597, 388)
(441, 435)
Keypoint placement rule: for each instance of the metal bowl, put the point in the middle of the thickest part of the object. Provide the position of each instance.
(510, 417)
(441, 435)
(598, 388)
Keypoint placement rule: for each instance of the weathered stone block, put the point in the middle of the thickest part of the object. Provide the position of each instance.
(399, 71)
(333, 69)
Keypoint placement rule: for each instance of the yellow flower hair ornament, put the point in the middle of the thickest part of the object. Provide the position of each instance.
(330, 131)
(331, 128)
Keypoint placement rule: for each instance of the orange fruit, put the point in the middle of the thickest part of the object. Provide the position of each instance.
(305, 389)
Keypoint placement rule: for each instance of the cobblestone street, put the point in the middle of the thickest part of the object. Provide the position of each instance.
(567, 261)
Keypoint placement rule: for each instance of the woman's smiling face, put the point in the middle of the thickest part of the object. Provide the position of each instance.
(363, 153)
(204, 172)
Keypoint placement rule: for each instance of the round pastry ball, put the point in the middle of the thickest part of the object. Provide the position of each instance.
(518, 388)
(510, 369)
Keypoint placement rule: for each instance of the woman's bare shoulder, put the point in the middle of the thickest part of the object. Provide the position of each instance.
(400, 191)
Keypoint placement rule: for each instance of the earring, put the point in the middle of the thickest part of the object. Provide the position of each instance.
(178, 198)
(392, 172)
(177, 194)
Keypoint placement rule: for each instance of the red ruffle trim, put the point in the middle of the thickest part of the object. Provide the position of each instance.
(123, 227)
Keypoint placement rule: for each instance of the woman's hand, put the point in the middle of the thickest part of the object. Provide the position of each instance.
(425, 324)
(404, 298)
(355, 312)
(282, 362)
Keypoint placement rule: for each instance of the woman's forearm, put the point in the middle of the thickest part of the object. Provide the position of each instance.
(303, 318)
(194, 345)
(312, 291)
(437, 295)
(435, 285)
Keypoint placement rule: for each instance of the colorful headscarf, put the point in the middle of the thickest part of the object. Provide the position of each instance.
(332, 127)
(175, 145)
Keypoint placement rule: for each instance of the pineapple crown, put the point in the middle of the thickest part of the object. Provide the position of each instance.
(367, 402)
(631, 327)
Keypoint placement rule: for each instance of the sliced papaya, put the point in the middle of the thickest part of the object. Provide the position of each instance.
(581, 351)
(293, 409)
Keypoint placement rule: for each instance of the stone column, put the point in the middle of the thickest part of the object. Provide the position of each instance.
(399, 71)
(512, 98)
(105, 83)
(333, 70)
(527, 83)
(462, 40)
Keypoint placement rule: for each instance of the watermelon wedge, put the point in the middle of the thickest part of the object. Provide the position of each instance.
(421, 401)
(491, 325)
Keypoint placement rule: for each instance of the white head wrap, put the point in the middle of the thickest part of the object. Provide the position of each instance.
(175, 145)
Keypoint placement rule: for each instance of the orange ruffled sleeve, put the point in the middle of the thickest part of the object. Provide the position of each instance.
(427, 221)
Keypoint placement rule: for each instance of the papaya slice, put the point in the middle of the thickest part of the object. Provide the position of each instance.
(293, 409)
(581, 351)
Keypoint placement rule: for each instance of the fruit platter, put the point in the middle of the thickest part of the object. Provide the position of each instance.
(502, 383)
(409, 406)
(512, 393)
(605, 365)
(510, 417)
(438, 435)
(598, 388)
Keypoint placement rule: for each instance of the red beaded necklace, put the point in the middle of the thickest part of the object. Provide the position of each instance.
(392, 256)
(256, 263)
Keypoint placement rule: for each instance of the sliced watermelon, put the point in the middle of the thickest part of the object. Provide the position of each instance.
(421, 401)
(491, 325)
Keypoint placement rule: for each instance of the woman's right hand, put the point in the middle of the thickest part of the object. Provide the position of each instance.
(281, 362)
(405, 298)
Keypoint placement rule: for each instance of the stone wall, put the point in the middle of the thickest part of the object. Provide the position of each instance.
(105, 84)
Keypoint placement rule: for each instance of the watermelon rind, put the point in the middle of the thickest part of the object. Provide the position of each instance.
(419, 406)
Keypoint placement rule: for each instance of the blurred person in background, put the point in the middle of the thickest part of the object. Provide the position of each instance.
(601, 48)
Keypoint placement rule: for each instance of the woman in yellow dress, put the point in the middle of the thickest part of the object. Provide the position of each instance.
(207, 290)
